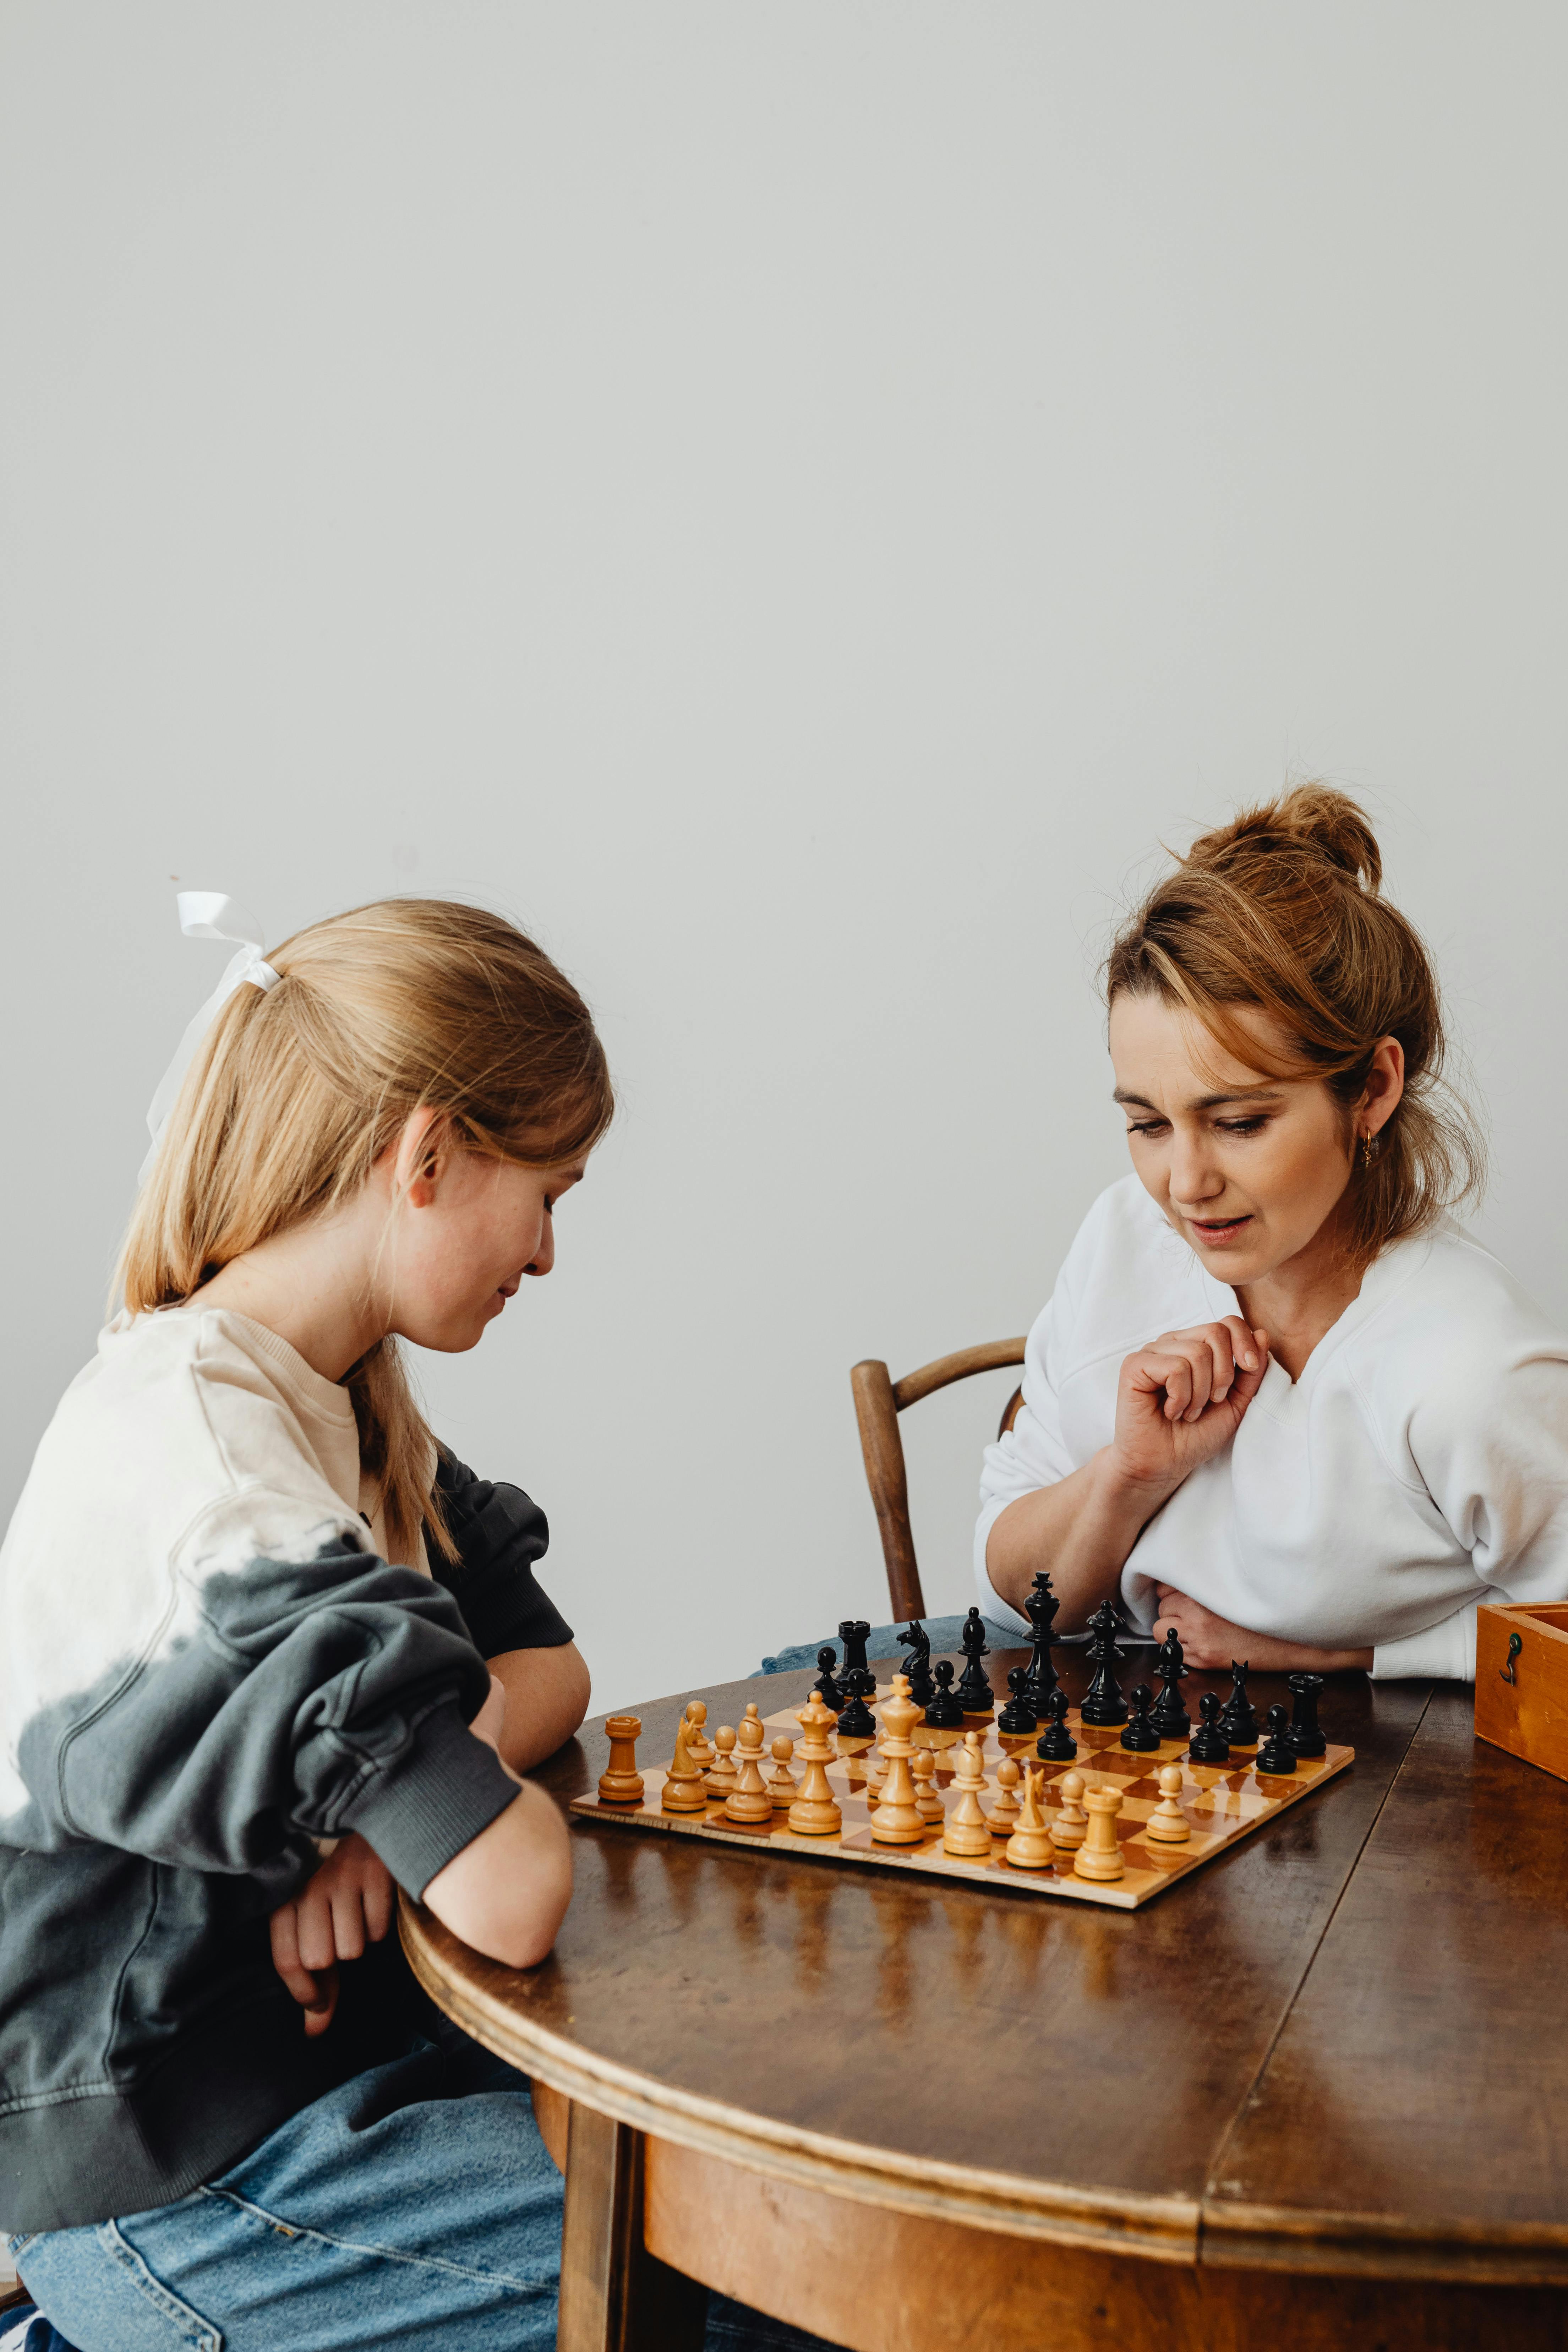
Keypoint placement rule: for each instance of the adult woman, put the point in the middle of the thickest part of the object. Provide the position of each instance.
(1278, 1397)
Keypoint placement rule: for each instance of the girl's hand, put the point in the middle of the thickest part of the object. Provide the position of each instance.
(1181, 1399)
(1210, 1643)
(346, 1905)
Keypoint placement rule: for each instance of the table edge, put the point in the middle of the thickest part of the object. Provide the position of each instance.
(1160, 2229)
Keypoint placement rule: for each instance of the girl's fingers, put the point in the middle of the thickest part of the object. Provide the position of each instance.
(378, 1902)
(348, 1923)
(318, 1942)
(319, 2013)
(286, 1959)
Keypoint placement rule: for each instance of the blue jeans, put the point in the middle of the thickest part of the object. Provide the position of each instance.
(417, 2205)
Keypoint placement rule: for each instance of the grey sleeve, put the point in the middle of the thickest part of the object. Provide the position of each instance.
(316, 1696)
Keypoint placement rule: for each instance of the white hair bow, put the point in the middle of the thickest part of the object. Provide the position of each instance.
(208, 915)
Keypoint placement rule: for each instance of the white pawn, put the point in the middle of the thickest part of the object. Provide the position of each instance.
(1005, 1810)
(968, 1833)
(781, 1779)
(1071, 1825)
(1167, 1824)
(928, 1796)
(748, 1801)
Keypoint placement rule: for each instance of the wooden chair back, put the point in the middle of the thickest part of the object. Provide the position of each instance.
(879, 1400)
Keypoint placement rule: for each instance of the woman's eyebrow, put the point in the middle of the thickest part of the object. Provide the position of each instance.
(1203, 1102)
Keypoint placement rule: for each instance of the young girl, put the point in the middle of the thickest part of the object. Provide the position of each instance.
(1278, 1398)
(251, 1608)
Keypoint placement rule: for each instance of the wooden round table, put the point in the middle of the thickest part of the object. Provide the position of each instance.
(1315, 2094)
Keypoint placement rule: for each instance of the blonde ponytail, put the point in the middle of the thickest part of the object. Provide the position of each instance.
(406, 1004)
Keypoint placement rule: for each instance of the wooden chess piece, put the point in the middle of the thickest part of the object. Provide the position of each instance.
(1030, 1847)
(928, 1796)
(1018, 1719)
(1167, 1824)
(1103, 1703)
(1276, 1756)
(816, 1812)
(621, 1782)
(1238, 1716)
(722, 1774)
(896, 1821)
(1170, 1718)
(1041, 1675)
(974, 1694)
(1208, 1744)
(683, 1789)
(1099, 1855)
(1056, 1744)
(944, 1712)
(781, 1779)
(698, 1746)
(1305, 1734)
(1004, 1811)
(1071, 1824)
(748, 1802)
(967, 1834)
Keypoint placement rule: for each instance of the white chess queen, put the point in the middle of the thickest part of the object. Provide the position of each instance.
(1278, 1398)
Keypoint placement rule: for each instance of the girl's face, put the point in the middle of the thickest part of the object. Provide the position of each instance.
(1249, 1168)
(465, 1230)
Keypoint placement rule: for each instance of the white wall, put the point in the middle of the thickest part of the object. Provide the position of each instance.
(794, 502)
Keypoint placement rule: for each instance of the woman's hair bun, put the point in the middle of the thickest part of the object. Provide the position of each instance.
(1310, 817)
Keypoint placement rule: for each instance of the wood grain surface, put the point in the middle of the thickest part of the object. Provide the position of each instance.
(1414, 2112)
(1042, 2071)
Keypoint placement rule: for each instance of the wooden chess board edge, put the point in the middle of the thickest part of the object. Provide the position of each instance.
(1047, 1886)
(1155, 2228)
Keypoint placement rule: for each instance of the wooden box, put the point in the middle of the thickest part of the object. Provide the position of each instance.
(1521, 1683)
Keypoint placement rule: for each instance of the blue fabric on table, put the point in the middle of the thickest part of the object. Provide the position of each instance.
(883, 1643)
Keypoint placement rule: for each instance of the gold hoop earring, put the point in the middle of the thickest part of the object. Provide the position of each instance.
(1368, 1150)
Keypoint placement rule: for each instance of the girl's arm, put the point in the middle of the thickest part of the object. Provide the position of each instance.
(547, 1693)
(506, 1892)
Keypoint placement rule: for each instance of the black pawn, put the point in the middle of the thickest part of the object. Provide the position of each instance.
(1018, 1715)
(1056, 1744)
(1306, 1735)
(854, 1632)
(1277, 1754)
(918, 1642)
(944, 1712)
(826, 1686)
(1208, 1744)
(1170, 1718)
(1104, 1705)
(1238, 1718)
(856, 1720)
(1040, 1608)
(1140, 1736)
(974, 1692)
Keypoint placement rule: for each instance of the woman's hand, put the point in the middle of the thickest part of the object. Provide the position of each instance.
(1181, 1399)
(1210, 1643)
(346, 1905)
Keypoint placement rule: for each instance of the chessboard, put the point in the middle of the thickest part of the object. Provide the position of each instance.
(1221, 1803)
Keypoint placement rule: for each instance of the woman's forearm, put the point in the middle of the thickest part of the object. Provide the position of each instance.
(1081, 1529)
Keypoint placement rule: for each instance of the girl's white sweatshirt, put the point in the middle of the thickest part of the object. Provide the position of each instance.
(1417, 1468)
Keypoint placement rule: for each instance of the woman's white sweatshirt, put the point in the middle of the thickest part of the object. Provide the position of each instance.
(1417, 1468)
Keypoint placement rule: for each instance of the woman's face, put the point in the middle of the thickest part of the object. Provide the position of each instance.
(1247, 1167)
